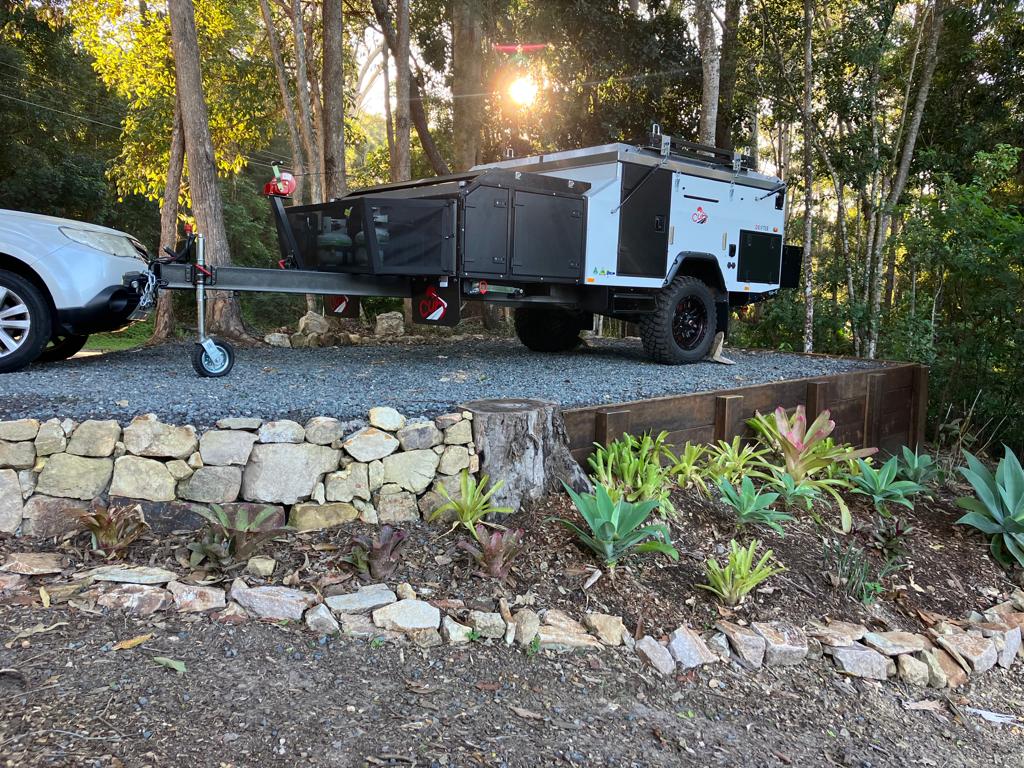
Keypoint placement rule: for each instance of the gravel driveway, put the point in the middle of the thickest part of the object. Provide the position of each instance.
(420, 378)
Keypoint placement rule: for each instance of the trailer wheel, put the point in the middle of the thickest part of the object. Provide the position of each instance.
(683, 324)
(548, 329)
(216, 365)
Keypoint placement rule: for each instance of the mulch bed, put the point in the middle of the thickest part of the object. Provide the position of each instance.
(948, 568)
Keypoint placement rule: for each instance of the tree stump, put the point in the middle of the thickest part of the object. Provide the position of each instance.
(524, 444)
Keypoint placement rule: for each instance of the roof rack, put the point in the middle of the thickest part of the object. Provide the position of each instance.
(670, 146)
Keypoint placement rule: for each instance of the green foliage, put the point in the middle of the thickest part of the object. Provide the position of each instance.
(687, 467)
(496, 552)
(753, 507)
(732, 461)
(472, 504)
(113, 527)
(632, 468)
(740, 574)
(997, 509)
(232, 536)
(851, 571)
(883, 487)
(918, 468)
(615, 527)
(793, 493)
(377, 557)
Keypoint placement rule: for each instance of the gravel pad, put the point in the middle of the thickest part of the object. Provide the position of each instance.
(420, 378)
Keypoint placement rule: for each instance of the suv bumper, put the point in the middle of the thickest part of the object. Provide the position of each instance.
(112, 308)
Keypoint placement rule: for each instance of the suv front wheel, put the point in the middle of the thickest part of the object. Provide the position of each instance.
(25, 322)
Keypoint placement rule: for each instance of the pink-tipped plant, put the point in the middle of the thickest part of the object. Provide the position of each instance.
(496, 551)
(808, 452)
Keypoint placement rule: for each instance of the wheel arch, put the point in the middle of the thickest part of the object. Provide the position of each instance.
(19, 267)
(704, 267)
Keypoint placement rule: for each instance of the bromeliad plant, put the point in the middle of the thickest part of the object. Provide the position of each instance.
(231, 537)
(883, 487)
(632, 468)
(472, 505)
(808, 453)
(496, 552)
(113, 527)
(377, 557)
(732, 461)
(997, 509)
(687, 468)
(617, 527)
(740, 574)
(753, 507)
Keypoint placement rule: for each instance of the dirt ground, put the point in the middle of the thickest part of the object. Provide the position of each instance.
(260, 694)
(269, 694)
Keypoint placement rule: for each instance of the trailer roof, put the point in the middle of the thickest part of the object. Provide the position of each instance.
(628, 153)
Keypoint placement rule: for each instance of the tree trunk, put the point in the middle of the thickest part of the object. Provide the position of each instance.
(524, 443)
(298, 160)
(309, 138)
(710, 66)
(403, 161)
(727, 78)
(389, 122)
(163, 324)
(808, 127)
(334, 99)
(900, 181)
(223, 314)
(467, 82)
(417, 112)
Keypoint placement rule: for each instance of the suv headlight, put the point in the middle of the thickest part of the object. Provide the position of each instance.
(115, 245)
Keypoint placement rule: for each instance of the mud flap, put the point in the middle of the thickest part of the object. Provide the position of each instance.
(341, 305)
(436, 302)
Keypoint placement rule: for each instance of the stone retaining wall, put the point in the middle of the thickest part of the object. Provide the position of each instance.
(324, 473)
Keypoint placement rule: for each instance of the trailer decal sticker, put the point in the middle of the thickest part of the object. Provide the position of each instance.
(699, 217)
(342, 305)
(433, 307)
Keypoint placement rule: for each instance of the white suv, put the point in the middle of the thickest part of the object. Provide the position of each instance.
(61, 280)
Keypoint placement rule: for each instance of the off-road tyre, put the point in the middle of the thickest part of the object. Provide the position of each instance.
(682, 326)
(62, 346)
(19, 346)
(549, 329)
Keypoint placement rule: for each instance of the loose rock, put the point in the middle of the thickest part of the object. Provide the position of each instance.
(139, 478)
(912, 671)
(365, 600)
(261, 566)
(896, 643)
(975, 654)
(861, 661)
(322, 430)
(785, 644)
(275, 603)
(389, 324)
(320, 620)
(138, 599)
(22, 429)
(33, 563)
(419, 436)
(132, 574)
(239, 422)
(317, 517)
(369, 444)
(559, 639)
(655, 654)
(193, 598)
(407, 615)
(453, 632)
(689, 649)
(387, 419)
(527, 625)
(609, 629)
(748, 646)
(487, 624)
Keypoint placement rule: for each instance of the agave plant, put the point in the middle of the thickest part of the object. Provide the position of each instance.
(791, 492)
(617, 527)
(997, 509)
(753, 507)
(883, 487)
(917, 467)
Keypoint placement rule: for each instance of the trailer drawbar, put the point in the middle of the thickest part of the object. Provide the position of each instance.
(668, 234)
